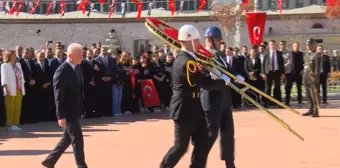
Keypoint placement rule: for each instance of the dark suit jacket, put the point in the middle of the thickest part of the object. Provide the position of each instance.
(266, 63)
(109, 71)
(28, 73)
(68, 92)
(249, 66)
(297, 61)
(41, 75)
(88, 71)
(326, 64)
(184, 106)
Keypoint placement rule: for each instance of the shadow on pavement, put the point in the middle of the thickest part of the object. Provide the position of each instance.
(51, 129)
(25, 152)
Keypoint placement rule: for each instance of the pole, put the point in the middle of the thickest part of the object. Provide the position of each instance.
(237, 36)
(256, 5)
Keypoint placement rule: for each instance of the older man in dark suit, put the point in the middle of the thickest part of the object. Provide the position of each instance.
(273, 70)
(105, 70)
(68, 91)
(29, 114)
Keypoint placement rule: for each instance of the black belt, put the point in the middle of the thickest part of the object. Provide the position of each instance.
(194, 95)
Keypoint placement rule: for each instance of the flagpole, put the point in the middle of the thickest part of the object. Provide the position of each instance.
(256, 5)
(237, 37)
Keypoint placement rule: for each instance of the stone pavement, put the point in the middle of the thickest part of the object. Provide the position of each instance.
(142, 140)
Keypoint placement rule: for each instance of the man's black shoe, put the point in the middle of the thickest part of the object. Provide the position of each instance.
(47, 165)
(307, 114)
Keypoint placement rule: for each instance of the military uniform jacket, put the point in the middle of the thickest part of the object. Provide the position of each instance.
(220, 98)
(187, 81)
(312, 64)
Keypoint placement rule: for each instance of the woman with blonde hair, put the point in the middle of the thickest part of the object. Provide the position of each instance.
(12, 80)
(125, 67)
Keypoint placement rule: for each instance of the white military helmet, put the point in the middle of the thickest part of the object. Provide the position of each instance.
(188, 33)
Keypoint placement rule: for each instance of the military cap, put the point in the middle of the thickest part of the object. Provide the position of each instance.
(310, 41)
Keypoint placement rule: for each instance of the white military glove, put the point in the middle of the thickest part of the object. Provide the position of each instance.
(216, 72)
(226, 79)
(213, 76)
(239, 79)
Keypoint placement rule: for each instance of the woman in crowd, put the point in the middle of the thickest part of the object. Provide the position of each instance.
(117, 87)
(158, 73)
(12, 80)
(125, 68)
(252, 67)
(136, 86)
(167, 82)
(144, 74)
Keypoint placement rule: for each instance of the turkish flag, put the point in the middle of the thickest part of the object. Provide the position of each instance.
(149, 93)
(256, 23)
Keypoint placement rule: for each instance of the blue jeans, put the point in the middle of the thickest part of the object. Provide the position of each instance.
(116, 98)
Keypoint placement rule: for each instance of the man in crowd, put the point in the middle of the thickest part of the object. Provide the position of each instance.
(325, 69)
(273, 71)
(28, 106)
(185, 107)
(288, 69)
(105, 77)
(298, 62)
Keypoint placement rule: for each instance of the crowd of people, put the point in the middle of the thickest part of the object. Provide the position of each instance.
(27, 77)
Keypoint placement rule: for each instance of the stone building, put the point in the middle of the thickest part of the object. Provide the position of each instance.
(293, 25)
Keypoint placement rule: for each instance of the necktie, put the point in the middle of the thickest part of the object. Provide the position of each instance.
(28, 65)
(273, 61)
(42, 67)
(90, 62)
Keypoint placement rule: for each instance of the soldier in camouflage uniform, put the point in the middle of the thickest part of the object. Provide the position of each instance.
(311, 76)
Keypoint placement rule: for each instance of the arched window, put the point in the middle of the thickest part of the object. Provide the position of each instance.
(317, 26)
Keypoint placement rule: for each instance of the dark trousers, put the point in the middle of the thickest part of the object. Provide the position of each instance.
(160, 86)
(72, 136)
(323, 85)
(2, 108)
(184, 130)
(128, 103)
(167, 94)
(290, 78)
(273, 77)
(298, 81)
(222, 122)
(288, 86)
(91, 102)
(254, 95)
(236, 97)
(51, 109)
(29, 112)
(105, 99)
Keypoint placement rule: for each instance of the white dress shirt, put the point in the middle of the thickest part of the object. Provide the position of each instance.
(273, 55)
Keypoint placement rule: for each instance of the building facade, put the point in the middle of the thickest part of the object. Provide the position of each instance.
(287, 4)
(71, 5)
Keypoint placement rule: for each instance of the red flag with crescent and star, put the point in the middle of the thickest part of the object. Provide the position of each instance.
(256, 22)
(149, 93)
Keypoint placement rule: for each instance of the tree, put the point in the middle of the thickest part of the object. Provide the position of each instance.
(228, 16)
(333, 9)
